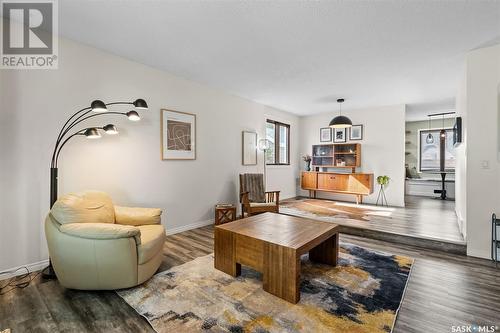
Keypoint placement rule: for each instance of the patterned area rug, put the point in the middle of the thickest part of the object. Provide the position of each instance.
(330, 211)
(362, 294)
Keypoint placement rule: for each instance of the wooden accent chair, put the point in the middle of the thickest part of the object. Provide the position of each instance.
(253, 197)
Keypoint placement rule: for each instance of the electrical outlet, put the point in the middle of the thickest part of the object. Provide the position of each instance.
(485, 164)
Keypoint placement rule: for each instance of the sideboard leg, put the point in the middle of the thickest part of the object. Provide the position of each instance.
(359, 199)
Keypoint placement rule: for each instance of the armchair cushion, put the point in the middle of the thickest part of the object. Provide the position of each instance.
(137, 216)
(101, 231)
(84, 207)
(263, 204)
(152, 240)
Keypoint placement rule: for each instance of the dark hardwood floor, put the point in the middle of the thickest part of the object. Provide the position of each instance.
(443, 290)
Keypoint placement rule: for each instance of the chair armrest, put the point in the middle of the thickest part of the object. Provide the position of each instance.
(137, 216)
(244, 198)
(101, 231)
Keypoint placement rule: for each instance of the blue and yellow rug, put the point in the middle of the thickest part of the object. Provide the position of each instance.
(361, 295)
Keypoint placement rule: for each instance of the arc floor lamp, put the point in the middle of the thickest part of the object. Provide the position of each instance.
(97, 108)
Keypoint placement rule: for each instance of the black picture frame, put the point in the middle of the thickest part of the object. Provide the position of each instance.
(341, 138)
(457, 132)
(326, 130)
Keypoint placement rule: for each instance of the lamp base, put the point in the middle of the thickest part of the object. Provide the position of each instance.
(48, 273)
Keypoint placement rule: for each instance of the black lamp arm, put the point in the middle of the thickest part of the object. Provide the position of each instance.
(79, 119)
(121, 103)
(76, 121)
(64, 130)
(80, 132)
(57, 151)
(69, 119)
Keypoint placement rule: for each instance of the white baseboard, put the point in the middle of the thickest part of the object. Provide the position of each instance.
(199, 224)
(36, 266)
(478, 253)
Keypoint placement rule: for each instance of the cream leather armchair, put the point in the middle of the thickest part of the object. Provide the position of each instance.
(95, 245)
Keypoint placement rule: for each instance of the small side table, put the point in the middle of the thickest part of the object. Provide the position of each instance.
(224, 214)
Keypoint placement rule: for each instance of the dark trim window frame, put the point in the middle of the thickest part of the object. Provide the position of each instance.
(276, 151)
(429, 155)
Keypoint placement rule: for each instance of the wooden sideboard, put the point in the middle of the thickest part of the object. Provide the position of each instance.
(358, 184)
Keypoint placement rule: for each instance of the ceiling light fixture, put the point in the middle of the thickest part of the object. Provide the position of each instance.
(430, 138)
(340, 121)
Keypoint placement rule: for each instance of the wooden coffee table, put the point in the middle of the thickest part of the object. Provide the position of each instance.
(272, 244)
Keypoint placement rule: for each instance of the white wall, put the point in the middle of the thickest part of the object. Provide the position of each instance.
(35, 103)
(461, 154)
(482, 181)
(382, 147)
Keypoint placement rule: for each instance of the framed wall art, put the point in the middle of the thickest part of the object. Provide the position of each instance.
(339, 135)
(325, 134)
(178, 135)
(356, 132)
(249, 148)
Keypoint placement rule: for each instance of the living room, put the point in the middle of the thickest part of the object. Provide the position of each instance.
(255, 85)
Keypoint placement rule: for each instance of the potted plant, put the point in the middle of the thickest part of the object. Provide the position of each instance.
(307, 159)
(383, 181)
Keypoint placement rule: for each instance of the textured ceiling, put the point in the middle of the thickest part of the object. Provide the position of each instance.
(297, 56)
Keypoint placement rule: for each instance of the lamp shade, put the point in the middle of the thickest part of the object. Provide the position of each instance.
(110, 129)
(340, 122)
(264, 144)
(429, 139)
(92, 133)
(134, 116)
(98, 106)
(140, 104)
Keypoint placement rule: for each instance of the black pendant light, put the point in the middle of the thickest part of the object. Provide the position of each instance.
(442, 133)
(430, 138)
(340, 121)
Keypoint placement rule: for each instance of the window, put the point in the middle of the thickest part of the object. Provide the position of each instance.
(279, 135)
(430, 155)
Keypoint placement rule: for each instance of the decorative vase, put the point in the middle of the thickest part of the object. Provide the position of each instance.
(308, 165)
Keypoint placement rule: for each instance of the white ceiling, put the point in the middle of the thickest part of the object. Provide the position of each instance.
(297, 56)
